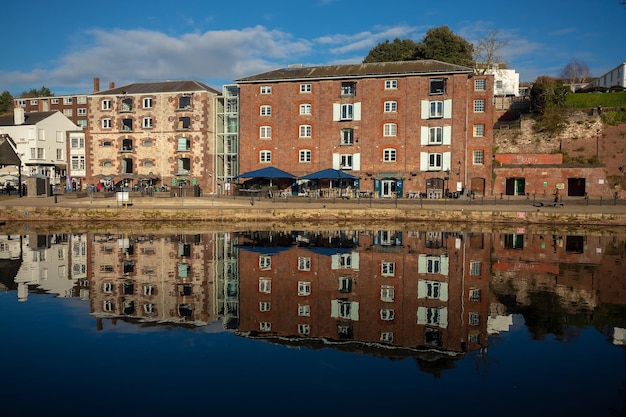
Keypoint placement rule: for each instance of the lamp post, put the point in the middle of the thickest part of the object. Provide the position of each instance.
(446, 179)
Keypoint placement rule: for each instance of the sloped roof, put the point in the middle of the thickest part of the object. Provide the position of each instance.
(8, 156)
(159, 87)
(29, 118)
(370, 70)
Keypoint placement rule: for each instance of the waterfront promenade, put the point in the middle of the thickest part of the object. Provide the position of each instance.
(304, 210)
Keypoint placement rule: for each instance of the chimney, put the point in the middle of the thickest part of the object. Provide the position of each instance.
(18, 115)
(111, 85)
(96, 84)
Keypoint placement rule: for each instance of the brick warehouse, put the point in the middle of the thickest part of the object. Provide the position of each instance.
(402, 128)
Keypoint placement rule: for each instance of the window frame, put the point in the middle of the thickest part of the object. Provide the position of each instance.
(390, 155)
(480, 105)
(265, 132)
(265, 89)
(346, 136)
(435, 135)
(390, 106)
(478, 157)
(106, 104)
(480, 84)
(391, 84)
(306, 88)
(305, 131)
(390, 130)
(265, 110)
(265, 156)
(305, 156)
(306, 109)
(479, 130)
(147, 103)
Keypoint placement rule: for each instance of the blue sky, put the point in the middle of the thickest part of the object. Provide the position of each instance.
(63, 46)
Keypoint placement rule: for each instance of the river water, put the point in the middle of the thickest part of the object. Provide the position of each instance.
(432, 320)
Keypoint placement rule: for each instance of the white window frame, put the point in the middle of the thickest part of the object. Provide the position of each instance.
(305, 156)
(81, 111)
(265, 89)
(306, 88)
(478, 157)
(390, 155)
(479, 130)
(346, 136)
(386, 337)
(480, 84)
(304, 288)
(147, 102)
(77, 143)
(391, 84)
(68, 101)
(387, 293)
(106, 104)
(264, 306)
(435, 135)
(473, 319)
(435, 161)
(480, 105)
(387, 314)
(387, 269)
(265, 110)
(265, 285)
(474, 294)
(347, 111)
(390, 130)
(391, 106)
(304, 329)
(306, 109)
(265, 156)
(106, 123)
(147, 123)
(304, 263)
(306, 131)
(304, 310)
(265, 132)
(265, 326)
(265, 262)
(346, 161)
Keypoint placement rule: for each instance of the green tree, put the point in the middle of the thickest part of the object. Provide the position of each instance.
(33, 92)
(548, 100)
(443, 45)
(398, 50)
(6, 102)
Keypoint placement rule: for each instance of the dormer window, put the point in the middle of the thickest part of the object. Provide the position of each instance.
(437, 86)
(184, 103)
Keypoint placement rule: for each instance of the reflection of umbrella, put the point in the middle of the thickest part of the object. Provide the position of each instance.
(264, 250)
(329, 174)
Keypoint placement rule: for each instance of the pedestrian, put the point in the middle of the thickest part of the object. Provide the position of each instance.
(557, 196)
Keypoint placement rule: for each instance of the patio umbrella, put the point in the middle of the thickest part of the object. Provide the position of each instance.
(268, 173)
(9, 177)
(329, 174)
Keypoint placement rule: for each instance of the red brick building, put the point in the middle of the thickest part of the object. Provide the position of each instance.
(401, 128)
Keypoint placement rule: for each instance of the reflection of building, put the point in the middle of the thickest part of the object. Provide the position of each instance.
(141, 277)
(45, 266)
(390, 291)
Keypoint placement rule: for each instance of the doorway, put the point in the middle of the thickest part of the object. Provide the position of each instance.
(576, 187)
(516, 186)
(478, 186)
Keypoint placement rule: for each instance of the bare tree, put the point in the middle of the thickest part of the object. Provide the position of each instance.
(575, 73)
(486, 51)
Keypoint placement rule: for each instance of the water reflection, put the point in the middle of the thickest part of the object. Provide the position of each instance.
(428, 294)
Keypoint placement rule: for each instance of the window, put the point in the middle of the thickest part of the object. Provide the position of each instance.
(391, 84)
(107, 164)
(127, 145)
(475, 268)
(348, 89)
(264, 306)
(82, 111)
(305, 88)
(347, 112)
(147, 103)
(479, 130)
(265, 156)
(387, 293)
(67, 100)
(479, 106)
(388, 269)
(474, 319)
(184, 103)
(77, 143)
(346, 162)
(266, 89)
(479, 157)
(148, 290)
(345, 284)
(391, 106)
(81, 123)
(34, 102)
(305, 155)
(265, 132)
(304, 288)
(437, 86)
(386, 337)
(474, 294)
(81, 99)
(106, 123)
(67, 112)
(106, 104)
(499, 84)
(304, 329)
(265, 285)
(347, 136)
(305, 108)
(480, 84)
(387, 314)
(55, 101)
(266, 110)
(147, 122)
(304, 263)
(389, 155)
(147, 164)
(435, 161)
(77, 162)
(184, 122)
(433, 289)
(108, 305)
(184, 144)
(107, 287)
(127, 125)
(184, 166)
(265, 263)
(433, 264)
(390, 129)
(147, 143)
(265, 326)
(435, 135)
(304, 310)
(37, 153)
(436, 109)
(306, 131)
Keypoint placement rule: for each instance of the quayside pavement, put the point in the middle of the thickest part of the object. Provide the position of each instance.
(292, 209)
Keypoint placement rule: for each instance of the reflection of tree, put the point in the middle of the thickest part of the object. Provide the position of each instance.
(544, 314)
(435, 365)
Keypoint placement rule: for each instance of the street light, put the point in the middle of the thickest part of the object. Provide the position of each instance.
(446, 179)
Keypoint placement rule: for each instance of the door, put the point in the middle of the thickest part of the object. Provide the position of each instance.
(576, 187)
(387, 188)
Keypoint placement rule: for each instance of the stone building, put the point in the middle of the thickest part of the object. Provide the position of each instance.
(154, 133)
(402, 128)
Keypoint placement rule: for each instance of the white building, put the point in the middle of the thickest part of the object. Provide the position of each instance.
(40, 139)
(614, 78)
